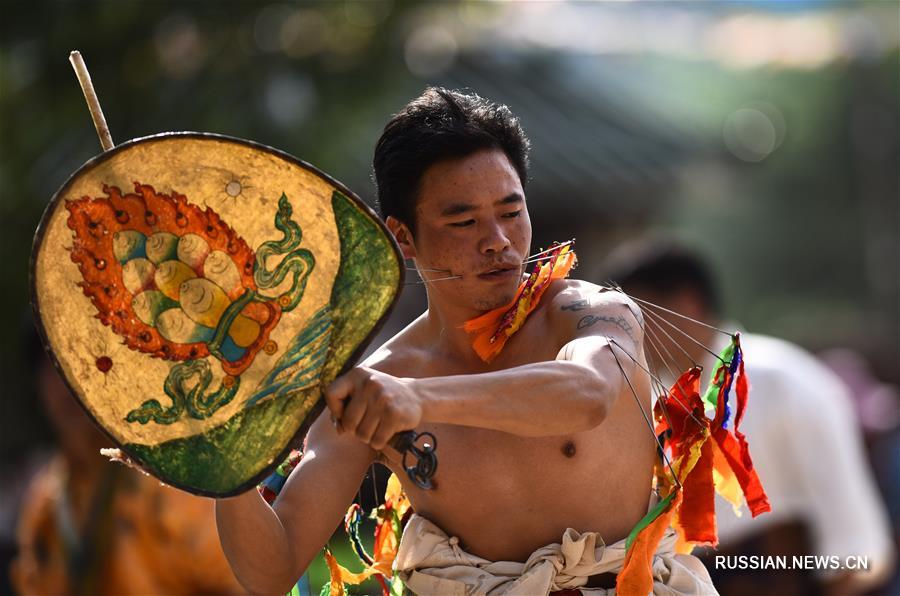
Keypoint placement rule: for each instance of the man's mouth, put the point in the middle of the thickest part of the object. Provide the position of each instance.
(499, 273)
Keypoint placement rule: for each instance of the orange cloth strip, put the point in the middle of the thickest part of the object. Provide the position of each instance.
(636, 576)
(492, 329)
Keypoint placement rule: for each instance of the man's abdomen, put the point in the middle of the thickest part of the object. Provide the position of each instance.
(505, 496)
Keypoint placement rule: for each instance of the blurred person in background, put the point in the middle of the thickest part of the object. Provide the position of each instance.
(88, 526)
(805, 438)
(878, 408)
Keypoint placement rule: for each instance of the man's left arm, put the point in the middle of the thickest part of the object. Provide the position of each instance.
(572, 393)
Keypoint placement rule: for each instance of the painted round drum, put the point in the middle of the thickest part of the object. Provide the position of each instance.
(198, 292)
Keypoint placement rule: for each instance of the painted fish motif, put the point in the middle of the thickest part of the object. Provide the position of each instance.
(176, 281)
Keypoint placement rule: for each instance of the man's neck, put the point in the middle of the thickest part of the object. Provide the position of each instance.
(444, 325)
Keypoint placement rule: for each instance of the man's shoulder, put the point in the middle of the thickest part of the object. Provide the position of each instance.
(571, 297)
(579, 308)
(398, 355)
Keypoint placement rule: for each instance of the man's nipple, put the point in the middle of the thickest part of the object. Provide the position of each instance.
(568, 449)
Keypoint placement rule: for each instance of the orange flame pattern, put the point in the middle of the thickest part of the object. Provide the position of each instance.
(95, 222)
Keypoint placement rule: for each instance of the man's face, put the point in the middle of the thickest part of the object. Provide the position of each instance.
(471, 219)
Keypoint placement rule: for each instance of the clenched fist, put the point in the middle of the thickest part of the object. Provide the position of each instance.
(373, 405)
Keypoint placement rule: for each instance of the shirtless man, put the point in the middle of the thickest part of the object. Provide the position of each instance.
(546, 437)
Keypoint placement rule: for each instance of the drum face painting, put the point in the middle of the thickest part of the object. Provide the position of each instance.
(198, 292)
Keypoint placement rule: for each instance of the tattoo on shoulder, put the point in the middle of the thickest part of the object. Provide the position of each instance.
(592, 319)
(618, 321)
(576, 305)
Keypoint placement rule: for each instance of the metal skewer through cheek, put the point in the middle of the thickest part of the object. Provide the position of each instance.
(426, 280)
(544, 255)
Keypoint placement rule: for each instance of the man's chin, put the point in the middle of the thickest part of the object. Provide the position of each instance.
(492, 302)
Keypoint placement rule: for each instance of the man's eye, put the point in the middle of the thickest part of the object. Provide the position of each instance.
(512, 214)
(462, 224)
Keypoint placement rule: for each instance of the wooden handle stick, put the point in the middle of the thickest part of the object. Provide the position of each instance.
(84, 78)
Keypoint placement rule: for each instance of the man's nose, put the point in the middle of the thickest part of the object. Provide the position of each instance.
(494, 239)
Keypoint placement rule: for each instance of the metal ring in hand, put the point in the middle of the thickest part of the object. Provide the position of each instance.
(426, 460)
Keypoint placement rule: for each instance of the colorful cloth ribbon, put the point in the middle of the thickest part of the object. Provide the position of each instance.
(699, 467)
(390, 517)
(272, 485)
(389, 527)
(492, 329)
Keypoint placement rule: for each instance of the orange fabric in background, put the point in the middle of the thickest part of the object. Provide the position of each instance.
(158, 540)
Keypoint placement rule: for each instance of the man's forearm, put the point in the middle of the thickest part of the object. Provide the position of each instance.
(542, 399)
(255, 543)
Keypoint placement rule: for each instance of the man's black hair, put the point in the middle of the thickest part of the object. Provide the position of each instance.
(440, 124)
(663, 267)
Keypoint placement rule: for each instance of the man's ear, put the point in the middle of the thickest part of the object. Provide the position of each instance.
(402, 235)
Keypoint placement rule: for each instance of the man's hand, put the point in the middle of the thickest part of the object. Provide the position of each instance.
(373, 405)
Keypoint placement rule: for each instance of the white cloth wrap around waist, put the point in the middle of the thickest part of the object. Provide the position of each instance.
(431, 562)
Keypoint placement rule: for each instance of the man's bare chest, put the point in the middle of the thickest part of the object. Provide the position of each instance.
(533, 343)
(491, 479)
